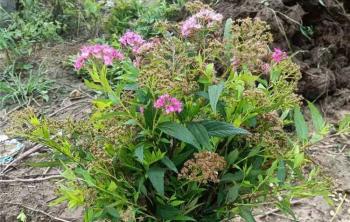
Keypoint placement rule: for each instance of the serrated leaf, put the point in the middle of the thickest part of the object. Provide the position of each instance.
(214, 92)
(139, 154)
(281, 172)
(300, 125)
(222, 129)
(156, 176)
(232, 156)
(87, 177)
(254, 152)
(111, 211)
(230, 177)
(167, 162)
(317, 119)
(201, 134)
(112, 187)
(298, 160)
(179, 132)
(232, 194)
(246, 214)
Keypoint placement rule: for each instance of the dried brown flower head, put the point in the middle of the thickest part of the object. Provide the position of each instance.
(251, 41)
(203, 168)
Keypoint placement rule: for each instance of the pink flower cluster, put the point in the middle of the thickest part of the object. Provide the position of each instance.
(266, 68)
(145, 47)
(103, 52)
(137, 43)
(131, 39)
(278, 55)
(204, 18)
(168, 103)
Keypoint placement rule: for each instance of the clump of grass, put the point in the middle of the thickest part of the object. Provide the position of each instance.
(23, 87)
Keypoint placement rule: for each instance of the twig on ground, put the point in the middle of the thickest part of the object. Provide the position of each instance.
(47, 171)
(338, 208)
(39, 211)
(22, 156)
(66, 107)
(31, 180)
(273, 211)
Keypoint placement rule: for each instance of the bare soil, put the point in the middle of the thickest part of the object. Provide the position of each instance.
(68, 98)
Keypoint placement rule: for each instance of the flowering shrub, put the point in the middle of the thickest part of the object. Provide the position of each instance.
(103, 52)
(200, 136)
(205, 18)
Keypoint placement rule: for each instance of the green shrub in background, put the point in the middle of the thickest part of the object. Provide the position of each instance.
(142, 16)
(192, 131)
(32, 24)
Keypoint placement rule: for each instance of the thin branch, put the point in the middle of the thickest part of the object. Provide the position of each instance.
(273, 211)
(66, 107)
(22, 156)
(14, 180)
(39, 211)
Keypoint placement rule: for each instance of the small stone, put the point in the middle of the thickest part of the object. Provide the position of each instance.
(332, 213)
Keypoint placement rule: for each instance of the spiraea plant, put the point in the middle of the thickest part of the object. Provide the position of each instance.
(195, 132)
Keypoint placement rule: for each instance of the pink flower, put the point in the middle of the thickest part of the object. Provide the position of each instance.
(131, 39)
(235, 63)
(189, 26)
(278, 55)
(204, 18)
(266, 68)
(168, 103)
(102, 52)
(142, 110)
(145, 47)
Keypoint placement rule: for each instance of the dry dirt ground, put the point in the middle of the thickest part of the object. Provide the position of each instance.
(69, 98)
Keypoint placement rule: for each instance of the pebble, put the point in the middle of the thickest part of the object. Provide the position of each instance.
(332, 213)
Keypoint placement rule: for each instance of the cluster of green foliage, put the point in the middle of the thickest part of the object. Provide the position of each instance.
(225, 153)
(14, 88)
(37, 22)
(30, 25)
(141, 16)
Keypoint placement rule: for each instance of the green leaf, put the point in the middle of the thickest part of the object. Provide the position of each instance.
(222, 129)
(228, 38)
(232, 156)
(179, 132)
(167, 162)
(281, 172)
(232, 194)
(87, 177)
(111, 211)
(300, 125)
(201, 134)
(229, 177)
(246, 214)
(112, 187)
(317, 119)
(253, 152)
(344, 124)
(139, 153)
(298, 159)
(156, 176)
(214, 92)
